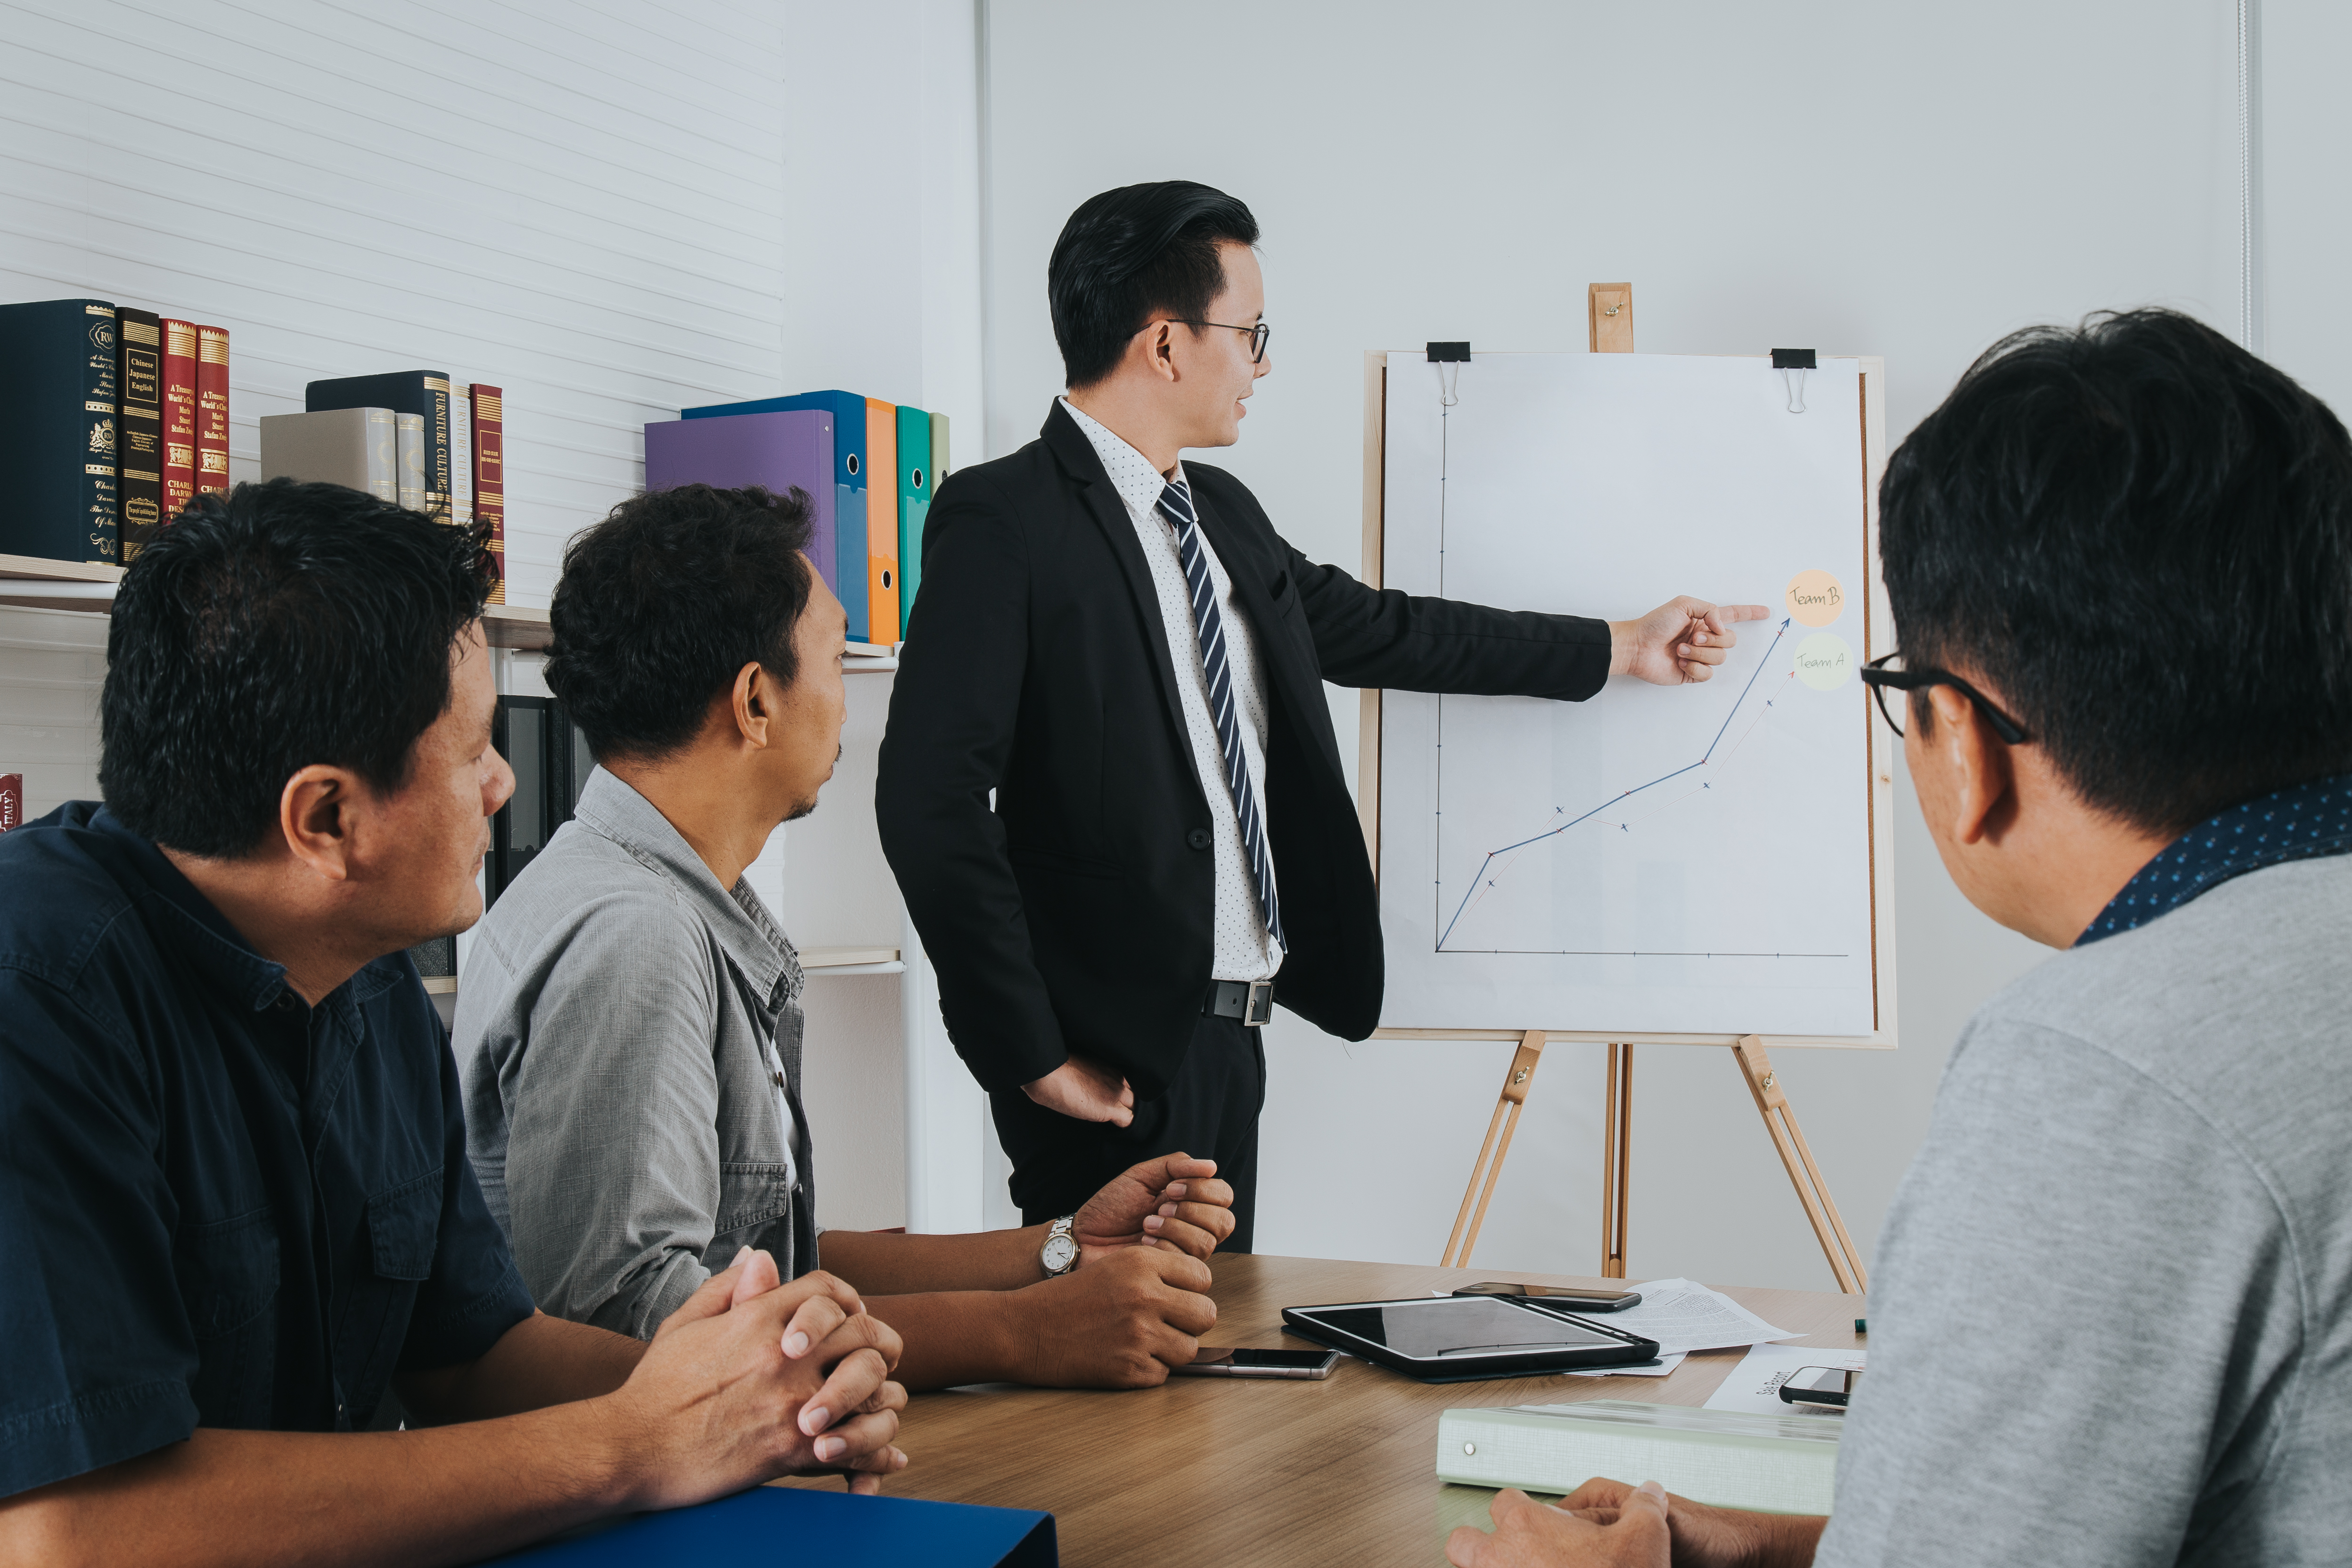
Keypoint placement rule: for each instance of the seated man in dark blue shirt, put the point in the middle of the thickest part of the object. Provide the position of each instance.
(235, 1202)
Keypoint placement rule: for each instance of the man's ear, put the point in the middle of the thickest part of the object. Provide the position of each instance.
(755, 700)
(1160, 345)
(314, 813)
(1983, 773)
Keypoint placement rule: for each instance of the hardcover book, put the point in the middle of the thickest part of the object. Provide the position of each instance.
(410, 469)
(849, 493)
(12, 801)
(423, 393)
(1778, 1464)
(138, 428)
(487, 441)
(914, 505)
(461, 454)
(179, 417)
(354, 446)
(57, 430)
(212, 409)
(776, 451)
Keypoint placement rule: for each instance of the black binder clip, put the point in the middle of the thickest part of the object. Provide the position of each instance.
(1792, 364)
(1449, 359)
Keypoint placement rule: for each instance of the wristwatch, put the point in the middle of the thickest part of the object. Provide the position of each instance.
(1060, 1253)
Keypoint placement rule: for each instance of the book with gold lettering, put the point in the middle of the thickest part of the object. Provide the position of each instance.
(179, 417)
(138, 426)
(487, 441)
(212, 410)
(59, 425)
(423, 393)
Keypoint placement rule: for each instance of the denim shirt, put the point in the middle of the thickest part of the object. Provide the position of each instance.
(219, 1206)
(628, 1034)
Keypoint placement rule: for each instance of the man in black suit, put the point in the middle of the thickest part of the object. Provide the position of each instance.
(1123, 650)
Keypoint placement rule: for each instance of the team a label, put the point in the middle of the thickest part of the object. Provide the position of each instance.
(1823, 661)
(1815, 598)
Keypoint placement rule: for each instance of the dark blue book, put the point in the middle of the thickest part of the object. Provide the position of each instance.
(849, 477)
(792, 1525)
(58, 431)
(425, 393)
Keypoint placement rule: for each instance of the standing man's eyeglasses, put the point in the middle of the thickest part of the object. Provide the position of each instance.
(1257, 336)
(1880, 674)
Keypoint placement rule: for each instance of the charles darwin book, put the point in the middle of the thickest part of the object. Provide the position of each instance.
(1778, 1464)
(411, 428)
(914, 505)
(354, 446)
(487, 441)
(851, 518)
(779, 452)
(423, 393)
(461, 453)
(179, 417)
(58, 360)
(212, 409)
(138, 426)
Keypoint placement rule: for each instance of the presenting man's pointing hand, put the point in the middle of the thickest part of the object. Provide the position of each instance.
(1682, 640)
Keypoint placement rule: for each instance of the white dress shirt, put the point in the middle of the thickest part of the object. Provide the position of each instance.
(1242, 950)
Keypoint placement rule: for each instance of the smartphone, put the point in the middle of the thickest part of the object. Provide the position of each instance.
(1577, 1298)
(1824, 1386)
(1213, 1362)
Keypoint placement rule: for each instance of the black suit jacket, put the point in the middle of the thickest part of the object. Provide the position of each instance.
(1076, 917)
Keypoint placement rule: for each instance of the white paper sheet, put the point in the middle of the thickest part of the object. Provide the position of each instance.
(1683, 1315)
(1754, 1384)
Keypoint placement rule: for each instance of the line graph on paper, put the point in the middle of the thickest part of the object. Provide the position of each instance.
(1690, 859)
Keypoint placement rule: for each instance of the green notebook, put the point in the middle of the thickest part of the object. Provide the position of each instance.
(1779, 1464)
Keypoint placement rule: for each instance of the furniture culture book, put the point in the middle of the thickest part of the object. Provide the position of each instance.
(138, 428)
(179, 417)
(882, 523)
(212, 410)
(487, 445)
(796, 1524)
(423, 393)
(914, 505)
(776, 451)
(1778, 1464)
(354, 446)
(849, 475)
(58, 424)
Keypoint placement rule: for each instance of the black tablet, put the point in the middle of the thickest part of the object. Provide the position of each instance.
(1460, 1339)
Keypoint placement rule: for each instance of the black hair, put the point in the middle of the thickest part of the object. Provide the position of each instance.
(1128, 252)
(290, 624)
(2140, 535)
(663, 603)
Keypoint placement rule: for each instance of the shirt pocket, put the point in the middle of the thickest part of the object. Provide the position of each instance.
(227, 1272)
(404, 1230)
(755, 1209)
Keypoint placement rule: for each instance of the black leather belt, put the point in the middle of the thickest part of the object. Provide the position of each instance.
(1251, 1001)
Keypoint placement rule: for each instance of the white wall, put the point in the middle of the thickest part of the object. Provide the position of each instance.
(1905, 181)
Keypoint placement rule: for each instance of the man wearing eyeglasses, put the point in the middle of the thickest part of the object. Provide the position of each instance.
(1110, 789)
(2111, 1325)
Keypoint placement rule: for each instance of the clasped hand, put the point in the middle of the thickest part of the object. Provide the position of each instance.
(753, 1378)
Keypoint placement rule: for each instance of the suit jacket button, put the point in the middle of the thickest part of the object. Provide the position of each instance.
(1198, 838)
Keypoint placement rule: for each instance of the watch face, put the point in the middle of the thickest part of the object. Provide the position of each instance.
(1060, 1253)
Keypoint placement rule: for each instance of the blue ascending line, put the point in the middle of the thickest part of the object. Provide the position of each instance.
(1556, 831)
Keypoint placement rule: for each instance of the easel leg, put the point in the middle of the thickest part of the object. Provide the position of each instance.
(1616, 1160)
(1797, 1156)
(1515, 1083)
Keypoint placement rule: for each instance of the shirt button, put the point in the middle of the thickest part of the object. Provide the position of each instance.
(1198, 838)
(286, 1001)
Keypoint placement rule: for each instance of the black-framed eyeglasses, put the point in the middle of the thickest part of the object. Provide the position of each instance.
(1880, 674)
(1257, 336)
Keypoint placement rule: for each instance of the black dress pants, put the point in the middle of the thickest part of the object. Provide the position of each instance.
(1210, 1112)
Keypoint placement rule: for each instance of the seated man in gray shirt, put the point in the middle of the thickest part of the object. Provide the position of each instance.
(2114, 1315)
(629, 1032)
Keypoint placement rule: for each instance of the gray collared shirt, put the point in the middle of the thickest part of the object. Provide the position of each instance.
(628, 1034)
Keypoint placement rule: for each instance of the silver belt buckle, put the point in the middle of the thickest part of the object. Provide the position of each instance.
(1258, 1010)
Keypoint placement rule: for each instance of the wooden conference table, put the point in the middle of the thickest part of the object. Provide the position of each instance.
(1241, 1471)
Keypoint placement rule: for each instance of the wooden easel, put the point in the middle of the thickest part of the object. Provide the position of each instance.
(1609, 314)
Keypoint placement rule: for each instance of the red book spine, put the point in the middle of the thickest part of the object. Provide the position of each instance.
(490, 479)
(212, 409)
(12, 800)
(179, 417)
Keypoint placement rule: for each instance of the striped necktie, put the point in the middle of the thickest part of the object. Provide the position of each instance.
(1176, 506)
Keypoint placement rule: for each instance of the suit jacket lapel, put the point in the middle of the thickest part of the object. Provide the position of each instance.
(1076, 455)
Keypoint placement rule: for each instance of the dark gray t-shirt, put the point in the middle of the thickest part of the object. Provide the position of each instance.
(2112, 1314)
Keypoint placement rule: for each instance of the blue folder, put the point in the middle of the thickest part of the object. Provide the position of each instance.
(793, 1525)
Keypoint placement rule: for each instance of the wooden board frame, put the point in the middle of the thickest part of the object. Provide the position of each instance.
(1878, 638)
